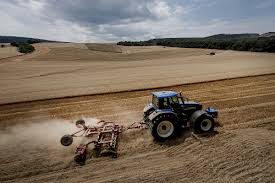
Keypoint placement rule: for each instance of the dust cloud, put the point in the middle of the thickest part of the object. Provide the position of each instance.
(42, 134)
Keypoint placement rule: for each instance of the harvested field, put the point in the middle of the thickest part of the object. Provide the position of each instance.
(68, 69)
(242, 150)
(8, 51)
(104, 47)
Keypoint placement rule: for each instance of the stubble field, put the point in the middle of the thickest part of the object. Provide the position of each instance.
(65, 69)
(242, 149)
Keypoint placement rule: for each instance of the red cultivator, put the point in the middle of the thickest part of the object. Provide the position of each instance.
(104, 136)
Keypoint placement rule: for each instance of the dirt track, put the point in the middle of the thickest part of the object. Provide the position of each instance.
(243, 150)
(57, 70)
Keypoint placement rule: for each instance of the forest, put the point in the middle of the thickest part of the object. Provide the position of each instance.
(240, 42)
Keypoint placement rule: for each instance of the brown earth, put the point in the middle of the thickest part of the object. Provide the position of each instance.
(241, 150)
(68, 69)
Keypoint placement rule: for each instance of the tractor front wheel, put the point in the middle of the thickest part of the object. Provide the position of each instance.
(204, 124)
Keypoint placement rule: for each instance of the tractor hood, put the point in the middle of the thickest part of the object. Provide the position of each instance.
(191, 105)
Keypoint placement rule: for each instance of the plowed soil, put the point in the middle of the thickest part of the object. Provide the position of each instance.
(242, 149)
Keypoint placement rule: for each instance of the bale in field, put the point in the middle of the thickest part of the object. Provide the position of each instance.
(212, 53)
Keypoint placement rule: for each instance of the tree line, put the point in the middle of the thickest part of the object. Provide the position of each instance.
(255, 44)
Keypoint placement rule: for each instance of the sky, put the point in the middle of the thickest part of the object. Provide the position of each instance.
(122, 20)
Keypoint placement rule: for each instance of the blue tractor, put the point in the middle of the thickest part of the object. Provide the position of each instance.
(169, 111)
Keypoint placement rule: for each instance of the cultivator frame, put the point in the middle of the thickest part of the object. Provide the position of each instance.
(104, 136)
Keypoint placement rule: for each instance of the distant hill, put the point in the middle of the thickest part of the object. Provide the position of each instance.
(10, 39)
(268, 34)
(234, 36)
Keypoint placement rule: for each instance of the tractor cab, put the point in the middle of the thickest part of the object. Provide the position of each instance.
(164, 100)
(161, 101)
(171, 101)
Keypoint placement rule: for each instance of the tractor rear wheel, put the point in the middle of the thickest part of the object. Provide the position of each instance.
(164, 126)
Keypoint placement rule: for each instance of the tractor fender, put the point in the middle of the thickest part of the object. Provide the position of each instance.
(148, 108)
(196, 115)
(202, 122)
(147, 111)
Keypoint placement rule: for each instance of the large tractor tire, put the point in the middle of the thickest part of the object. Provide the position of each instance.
(203, 124)
(164, 126)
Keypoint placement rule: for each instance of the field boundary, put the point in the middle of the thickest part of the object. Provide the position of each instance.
(133, 90)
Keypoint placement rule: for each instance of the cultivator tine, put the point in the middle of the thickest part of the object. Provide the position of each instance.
(80, 153)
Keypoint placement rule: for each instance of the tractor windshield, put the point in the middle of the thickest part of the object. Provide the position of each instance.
(164, 103)
(173, 100)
